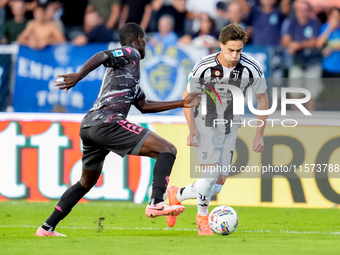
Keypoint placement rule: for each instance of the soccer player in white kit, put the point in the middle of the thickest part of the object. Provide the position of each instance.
(215, 140)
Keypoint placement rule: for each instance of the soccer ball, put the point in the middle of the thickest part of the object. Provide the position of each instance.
(223, 220)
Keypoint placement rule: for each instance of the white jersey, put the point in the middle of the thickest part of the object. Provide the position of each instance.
(209, 76)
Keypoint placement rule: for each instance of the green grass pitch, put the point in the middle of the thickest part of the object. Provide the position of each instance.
(122, 228)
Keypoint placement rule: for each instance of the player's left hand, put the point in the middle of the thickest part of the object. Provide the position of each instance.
(69, 81)
(258, 144)
(192, 99)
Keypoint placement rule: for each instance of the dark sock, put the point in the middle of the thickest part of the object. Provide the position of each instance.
(161, 173)
(67, 201)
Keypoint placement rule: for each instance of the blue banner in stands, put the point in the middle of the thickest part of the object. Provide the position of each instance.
(36, 71)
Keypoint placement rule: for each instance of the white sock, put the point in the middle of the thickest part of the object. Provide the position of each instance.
(205, 189)
(188, 192)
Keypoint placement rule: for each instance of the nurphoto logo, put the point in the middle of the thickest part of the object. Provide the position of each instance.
(239, 101)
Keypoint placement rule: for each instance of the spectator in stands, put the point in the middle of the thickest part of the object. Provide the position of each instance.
(108, 9)
(235, 14)
(53, 7)
(40, 32)
(319, 5)
(265, 22)
(95, 30)
(137, 11)
(207, 35)
(30, 6)
(3, 4)
(330, 39)
(73, 17)
(15, 26)
(300, 41)
(195, 8)
(174, 8)
(166, 34)
(221, 15)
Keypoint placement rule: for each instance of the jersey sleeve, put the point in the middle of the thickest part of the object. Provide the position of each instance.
(119, 58)
(139, 95)
(194, 78)
(193, 84)
(258, 84)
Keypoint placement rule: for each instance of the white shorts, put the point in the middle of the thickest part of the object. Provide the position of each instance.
(214, 146)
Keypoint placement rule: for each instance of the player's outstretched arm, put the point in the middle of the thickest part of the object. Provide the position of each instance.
(147, 106)
(71, 79)
(189, 116)
(262, 104)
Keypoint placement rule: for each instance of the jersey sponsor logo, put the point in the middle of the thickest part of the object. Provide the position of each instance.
(117, 53)
(213, 90)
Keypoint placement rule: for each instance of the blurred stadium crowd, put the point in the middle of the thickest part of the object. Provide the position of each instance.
(306, 32)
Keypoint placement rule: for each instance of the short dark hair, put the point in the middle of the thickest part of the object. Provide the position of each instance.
(129, 33)
(233, 32)
(334, 9)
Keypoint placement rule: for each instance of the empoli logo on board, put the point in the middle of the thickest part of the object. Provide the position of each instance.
(165, 71)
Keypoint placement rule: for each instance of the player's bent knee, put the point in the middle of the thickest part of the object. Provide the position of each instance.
(89, 178)
(87, 184)
(169, 148)
(173, 149)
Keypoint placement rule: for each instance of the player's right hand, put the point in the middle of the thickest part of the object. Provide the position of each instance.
(69, 81)
(192, 99)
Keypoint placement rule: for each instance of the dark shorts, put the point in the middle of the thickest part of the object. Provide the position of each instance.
(121, 138)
